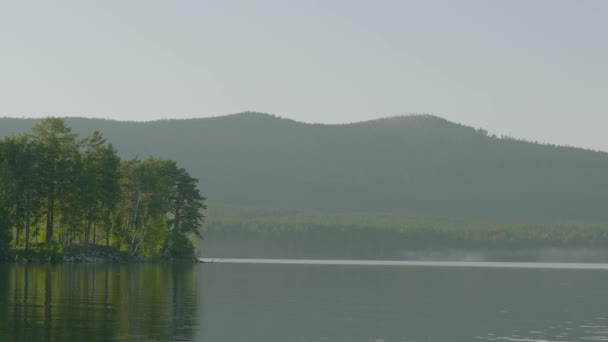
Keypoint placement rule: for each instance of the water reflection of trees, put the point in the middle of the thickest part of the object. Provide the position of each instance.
(97, 302)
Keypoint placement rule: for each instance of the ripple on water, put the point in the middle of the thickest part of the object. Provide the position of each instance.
(582, 332)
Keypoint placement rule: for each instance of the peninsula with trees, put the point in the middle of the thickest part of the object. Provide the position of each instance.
(66, 197)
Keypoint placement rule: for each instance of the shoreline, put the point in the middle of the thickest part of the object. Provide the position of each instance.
(82, 256)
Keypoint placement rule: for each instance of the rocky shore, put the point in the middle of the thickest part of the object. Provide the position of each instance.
(92, 254)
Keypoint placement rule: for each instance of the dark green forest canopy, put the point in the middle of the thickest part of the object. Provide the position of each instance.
(57, 189)
(302, 231)
(414, 164)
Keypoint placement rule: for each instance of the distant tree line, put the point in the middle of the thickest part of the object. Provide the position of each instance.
(393, 231)
(57, 189)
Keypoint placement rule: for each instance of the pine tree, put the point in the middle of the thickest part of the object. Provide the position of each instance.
(187, 207)
(58, 143)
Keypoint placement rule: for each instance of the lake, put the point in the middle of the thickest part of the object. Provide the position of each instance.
(266, 302)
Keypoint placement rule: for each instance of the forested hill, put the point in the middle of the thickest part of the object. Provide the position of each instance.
(412, 164)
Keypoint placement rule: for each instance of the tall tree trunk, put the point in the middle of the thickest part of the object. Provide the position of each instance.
(50, 211)
(27, 226)
(17, 233)
(107, 235)
(87, 234)
(94, 234)
(107, 222)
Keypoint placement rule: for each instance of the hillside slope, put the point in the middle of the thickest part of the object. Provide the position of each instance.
(413, 164)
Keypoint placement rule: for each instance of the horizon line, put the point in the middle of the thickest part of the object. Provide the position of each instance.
(275, 116)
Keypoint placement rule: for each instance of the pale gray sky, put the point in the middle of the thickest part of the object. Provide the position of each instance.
(530, 68)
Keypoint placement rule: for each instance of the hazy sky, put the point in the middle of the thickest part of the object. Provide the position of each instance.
(530, 68)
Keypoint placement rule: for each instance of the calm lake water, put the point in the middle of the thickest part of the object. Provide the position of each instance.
(305, 302)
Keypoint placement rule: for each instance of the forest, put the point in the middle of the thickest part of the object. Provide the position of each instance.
(402, 231)
(60, 192)
(415, 165)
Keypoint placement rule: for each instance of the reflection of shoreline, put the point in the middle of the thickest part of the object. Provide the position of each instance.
(98, 302)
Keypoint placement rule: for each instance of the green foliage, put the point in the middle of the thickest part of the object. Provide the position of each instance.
(5, 223)
(186, 214)
(47, 253)
(5, 233)
(60, 158)
(181, 247)
(70, 191)
(161, 206)
(406, 231)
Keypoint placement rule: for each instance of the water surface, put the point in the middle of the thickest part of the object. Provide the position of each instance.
(303, 302)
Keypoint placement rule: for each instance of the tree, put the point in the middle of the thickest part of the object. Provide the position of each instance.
(100, 184)
(160, 207)
(5, 204)
(109, 187)
(186, 213)
(58, 146)
(21, 155)
(146, 187)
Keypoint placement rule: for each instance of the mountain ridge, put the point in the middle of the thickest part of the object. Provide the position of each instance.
(396, 119)
(419, 164)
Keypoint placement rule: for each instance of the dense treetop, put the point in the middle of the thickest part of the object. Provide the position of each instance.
(412, 164)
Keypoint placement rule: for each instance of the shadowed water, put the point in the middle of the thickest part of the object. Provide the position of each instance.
(301, 302)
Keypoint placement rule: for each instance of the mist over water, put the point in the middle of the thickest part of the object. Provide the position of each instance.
(522, 255)
(315, 246)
